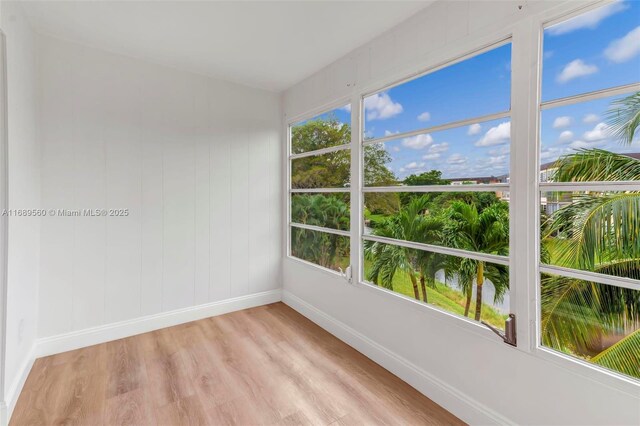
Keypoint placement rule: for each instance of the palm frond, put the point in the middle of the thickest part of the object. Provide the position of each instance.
(596, 165)
(623, 356)
(601, 227)
(624, 117)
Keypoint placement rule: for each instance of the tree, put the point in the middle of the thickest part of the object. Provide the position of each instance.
(432, 177)
(410, 224)
(486, 232)
(376, 173)
(333, 170)
(329, 211)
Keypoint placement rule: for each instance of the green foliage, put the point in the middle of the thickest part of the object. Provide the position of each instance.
(484, 232)
(319, 134)
(321, 248)
(624, 118)
(376, 172)
(329, 211)
(593, 165)
(623, 356)
(432, 177)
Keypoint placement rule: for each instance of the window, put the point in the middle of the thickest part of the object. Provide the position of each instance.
(436, 181)
(589, 196)
(440, 205)
(319, 199)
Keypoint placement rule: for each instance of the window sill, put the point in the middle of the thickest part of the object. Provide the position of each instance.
(589, 371)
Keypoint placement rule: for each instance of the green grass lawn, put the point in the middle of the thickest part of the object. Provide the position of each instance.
(447, 298)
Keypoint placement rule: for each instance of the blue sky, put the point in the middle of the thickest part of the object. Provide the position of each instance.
(595, 50)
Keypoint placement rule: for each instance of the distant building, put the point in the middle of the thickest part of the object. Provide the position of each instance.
(554, 201)
(549, 201)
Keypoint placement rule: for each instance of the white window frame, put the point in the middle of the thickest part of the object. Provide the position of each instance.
(601, 374)
(290, 122)
(491, 43)
(526, 37)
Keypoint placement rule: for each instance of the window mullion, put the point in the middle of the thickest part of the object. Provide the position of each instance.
(357, 181)
(523, 175)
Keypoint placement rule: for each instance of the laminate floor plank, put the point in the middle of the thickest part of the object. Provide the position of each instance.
(262, 366)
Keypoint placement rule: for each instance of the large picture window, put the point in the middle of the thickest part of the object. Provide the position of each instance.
(436, 227)
(590, 188)
(319, 201)
(451, 205)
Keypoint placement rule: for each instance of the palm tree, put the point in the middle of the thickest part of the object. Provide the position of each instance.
(597, 232)
(485, 232)
(319, 247)
(410, 224)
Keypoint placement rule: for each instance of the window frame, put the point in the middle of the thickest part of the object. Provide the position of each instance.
(466, 52)
(526, 35)
(537, 105)
(290, 122)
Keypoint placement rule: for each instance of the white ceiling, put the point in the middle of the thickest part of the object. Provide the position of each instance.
(266, 44)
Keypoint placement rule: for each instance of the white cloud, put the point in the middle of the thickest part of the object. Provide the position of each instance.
(574, 69)
(600, 132)
(552, 153)
(435, 151)
(418, 141)
(396, 149)
(497, 160)
(586, 145)
(380, 106)
(474, 129)
(432, 156)
(439, 147)
(456, 159)
(425, 116)
(347, 108)
(561, 122)
(501, 150)
(589, 20)
(565, 136)
(590, 119)
(389, 133)
(413, 165)
(497, 135)
(624, 48)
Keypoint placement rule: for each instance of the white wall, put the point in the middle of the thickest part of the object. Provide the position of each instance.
(196, 161)
(471, 373)
(24, 193)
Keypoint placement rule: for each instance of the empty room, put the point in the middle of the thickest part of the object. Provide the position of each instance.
(320, 212)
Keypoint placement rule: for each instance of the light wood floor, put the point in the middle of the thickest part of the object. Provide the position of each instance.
(266, 365)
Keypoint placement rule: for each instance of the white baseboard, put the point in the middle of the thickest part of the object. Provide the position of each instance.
(11, 397)
(105, 333)
(450, 398)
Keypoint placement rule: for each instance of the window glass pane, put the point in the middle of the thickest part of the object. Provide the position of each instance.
(322, 131)
(472, 154)
(448, 282)
(586, 135)
(592, 231)
(332, 170)
(594, 50)
(321, 248)
(330, 210)
(477, 86)
(472, 221)
(594, 322)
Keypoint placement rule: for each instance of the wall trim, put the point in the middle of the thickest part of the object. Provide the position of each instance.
(11, 397)
(452, 399)
(105, 333)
